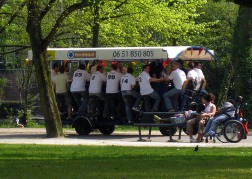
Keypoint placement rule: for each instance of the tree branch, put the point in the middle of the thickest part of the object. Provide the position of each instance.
(120, 15)
(62, 17)
(12, 17)
(46, 9)
(120, 5)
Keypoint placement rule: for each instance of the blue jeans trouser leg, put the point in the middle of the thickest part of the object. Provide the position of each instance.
(167, 97)
(216, 121)
(127, 104)
(154, 95)
(213, 123)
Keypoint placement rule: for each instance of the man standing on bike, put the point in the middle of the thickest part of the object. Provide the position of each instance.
(128, 82)
(112, 92)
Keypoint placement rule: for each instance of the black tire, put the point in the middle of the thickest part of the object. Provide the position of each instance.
(82, 125)
(234, 131)
(220, 134)
(107, 130)
(165, 131)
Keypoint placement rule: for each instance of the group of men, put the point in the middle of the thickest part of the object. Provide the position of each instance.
(120, 85)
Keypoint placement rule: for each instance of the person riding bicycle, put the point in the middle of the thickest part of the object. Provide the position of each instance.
(225, 112)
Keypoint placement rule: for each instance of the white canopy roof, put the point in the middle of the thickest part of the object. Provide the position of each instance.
(113, 54)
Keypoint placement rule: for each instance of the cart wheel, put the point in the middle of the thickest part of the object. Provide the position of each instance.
(165, 131)
(82, 125)
(220, 134)
(234, 131)
(107, 130)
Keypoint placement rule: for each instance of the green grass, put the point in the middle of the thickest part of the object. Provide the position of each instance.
(46, 161)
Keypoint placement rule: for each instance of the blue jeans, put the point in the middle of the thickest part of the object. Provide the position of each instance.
(81, 98)
(213, 122)
(154, 95)
(128, 106)
(167, 98)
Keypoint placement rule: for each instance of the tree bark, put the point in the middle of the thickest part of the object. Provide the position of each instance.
(96, 26)
(39, 45)
(46, 92)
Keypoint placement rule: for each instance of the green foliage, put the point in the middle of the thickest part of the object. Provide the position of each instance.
(9, 109)
(133, 23)
(219, 37)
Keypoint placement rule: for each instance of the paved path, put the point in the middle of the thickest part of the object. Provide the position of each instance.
(119, 138)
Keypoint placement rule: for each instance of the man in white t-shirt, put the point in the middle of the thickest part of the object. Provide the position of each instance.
(78, 88)
(55, 71)
(60, 85)
(112, 92)
(96, 81)
(200, 80)
(200, 76)
(178, 76)
(128, 82)
(146, 90)
(192, 74)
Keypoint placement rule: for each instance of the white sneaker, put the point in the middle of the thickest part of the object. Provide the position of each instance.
(192, 140)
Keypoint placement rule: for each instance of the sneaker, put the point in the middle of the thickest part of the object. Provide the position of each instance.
(209, 133)
(135, 109)
(192, 140)
(156, 118)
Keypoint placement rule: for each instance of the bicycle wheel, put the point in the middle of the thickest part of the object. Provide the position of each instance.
(233, 131)
(220, 134)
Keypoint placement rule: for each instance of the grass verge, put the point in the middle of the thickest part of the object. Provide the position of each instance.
(47, 161)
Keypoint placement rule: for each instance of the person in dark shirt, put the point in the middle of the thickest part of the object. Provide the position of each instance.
(156, 68)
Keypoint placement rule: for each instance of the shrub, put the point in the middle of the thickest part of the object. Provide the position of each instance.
(9, 108)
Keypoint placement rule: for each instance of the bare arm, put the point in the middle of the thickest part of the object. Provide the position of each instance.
(212, 112)
(156, 80)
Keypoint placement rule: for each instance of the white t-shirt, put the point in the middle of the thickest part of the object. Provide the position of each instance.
(54, 74)
(79, 80)
(144, 82)
(200, 77)
(127, 81)
(178, 76)
(113, 80)
(60, 81)
(96, 81)
(192, 74)
(208, 108)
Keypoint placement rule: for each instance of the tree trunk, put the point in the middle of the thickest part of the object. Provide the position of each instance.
(46, 93)
(242, 52)
(96, 26)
